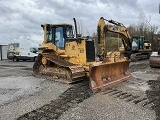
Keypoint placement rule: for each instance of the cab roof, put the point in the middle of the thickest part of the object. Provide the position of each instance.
(61, 24)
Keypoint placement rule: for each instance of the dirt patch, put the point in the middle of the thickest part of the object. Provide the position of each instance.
(7, 91)
(27, 68)
(136, 67)
(5, 75)
(12, 66)
(154, 95)
(70, 98)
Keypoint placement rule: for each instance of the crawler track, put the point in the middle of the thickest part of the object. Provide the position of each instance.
(66, 72)
(128, 97)
(154, 95)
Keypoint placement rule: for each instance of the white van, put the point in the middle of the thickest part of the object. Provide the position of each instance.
(19, 51)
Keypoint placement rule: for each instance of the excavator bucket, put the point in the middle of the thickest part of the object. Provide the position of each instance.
(104, 75)
(154, 60)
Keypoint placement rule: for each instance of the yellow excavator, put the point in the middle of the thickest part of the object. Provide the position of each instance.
(69, 58)
(135, 47)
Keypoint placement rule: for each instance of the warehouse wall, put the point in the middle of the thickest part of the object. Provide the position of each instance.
(3, 52)
(0, 53)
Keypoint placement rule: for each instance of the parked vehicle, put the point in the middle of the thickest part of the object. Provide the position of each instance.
(19, 51)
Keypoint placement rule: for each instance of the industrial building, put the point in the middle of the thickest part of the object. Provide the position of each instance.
(3, 51)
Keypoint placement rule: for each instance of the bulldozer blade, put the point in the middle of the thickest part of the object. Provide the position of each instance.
(104, 75)
(154, 61)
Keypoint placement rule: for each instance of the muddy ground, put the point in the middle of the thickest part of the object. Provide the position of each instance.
(25, 97)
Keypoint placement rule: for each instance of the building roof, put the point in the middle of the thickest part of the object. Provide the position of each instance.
(17, 41)
(3, 44)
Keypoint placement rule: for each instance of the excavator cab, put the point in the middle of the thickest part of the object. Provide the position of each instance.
(141, 49)
(137, 43)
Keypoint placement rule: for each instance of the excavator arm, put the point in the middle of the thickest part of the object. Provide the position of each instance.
(134, 47)
(118, 28)
(121, 30)
(112, 68)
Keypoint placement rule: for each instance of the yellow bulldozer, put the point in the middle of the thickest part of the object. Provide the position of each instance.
(67, 57)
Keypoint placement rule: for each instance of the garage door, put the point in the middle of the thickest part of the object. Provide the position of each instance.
(0, 53)
(4, 52)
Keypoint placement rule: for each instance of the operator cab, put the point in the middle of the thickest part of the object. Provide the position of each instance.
(34, 50)
(57, 34)
(137, 43)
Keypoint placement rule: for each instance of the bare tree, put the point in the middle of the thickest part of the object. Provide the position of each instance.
(152, 34)
(132, 29)
(142, 26)
(145, 28)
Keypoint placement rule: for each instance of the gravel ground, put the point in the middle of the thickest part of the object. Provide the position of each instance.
(104, 107)
(20, 92)
(51, 100)
(111, 105)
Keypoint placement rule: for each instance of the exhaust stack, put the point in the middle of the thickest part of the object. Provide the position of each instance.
(75, 26)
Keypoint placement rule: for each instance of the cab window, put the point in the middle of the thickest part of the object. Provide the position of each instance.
(49, 35)
(33, 50)
(69, 32)
(59, 37)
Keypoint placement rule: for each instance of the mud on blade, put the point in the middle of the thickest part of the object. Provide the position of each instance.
(104, 75)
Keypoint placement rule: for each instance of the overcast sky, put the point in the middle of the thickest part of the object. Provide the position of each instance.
(20, 20)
